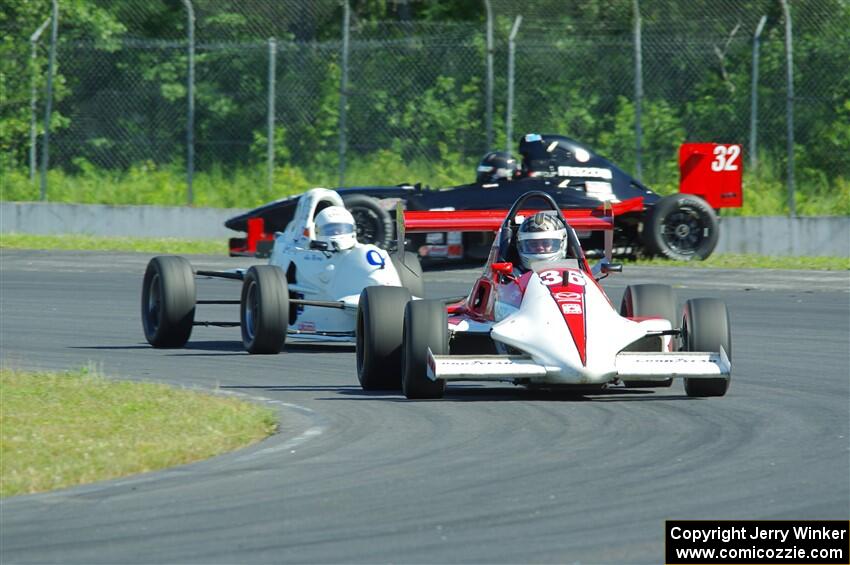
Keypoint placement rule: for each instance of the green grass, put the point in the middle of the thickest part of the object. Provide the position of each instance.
(64, 429)
(165, 245)
(212, 247)
(147, 183)
(737, 261)
(246, 187)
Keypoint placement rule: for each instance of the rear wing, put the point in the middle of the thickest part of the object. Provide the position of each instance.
(416, 221)
(424, 221)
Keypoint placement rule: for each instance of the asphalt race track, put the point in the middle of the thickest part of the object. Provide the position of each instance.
(489, 474)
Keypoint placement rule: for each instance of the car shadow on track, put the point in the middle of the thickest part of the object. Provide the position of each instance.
(352, 390)
(473, 394)
(230, 347)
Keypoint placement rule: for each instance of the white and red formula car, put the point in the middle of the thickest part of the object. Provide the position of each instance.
(552, 326)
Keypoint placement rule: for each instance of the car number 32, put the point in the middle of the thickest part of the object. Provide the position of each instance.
(550, 278)
(725, 157)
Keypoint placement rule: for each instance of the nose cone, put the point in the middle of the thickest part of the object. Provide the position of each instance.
(538, 328)
(570, 328)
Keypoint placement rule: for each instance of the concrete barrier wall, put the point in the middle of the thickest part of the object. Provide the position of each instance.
(779, 235)
(824, 236)
(132, 221)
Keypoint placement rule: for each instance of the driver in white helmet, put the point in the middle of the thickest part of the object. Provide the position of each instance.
(335, 226)
(541, 237)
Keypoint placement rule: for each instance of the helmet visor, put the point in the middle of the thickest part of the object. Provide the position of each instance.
(335, 229)
(539, 246)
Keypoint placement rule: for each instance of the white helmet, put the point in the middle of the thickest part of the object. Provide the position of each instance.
(542, 237)
(335, 226)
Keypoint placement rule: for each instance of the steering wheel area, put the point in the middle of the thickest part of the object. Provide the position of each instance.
(508, 231)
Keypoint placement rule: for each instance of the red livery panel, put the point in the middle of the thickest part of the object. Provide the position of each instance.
(421, 221)
(713, 172)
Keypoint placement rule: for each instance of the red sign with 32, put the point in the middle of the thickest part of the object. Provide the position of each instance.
(713, 172)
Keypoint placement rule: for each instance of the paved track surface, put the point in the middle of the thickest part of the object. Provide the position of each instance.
(489, 474)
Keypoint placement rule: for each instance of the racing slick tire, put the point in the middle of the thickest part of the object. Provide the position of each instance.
(264, 310)
(373, 223)
(705, 327)
(645, 300)
(168, 301)
(425, 327)
(682, 227)
(410, 273)
(380, 319)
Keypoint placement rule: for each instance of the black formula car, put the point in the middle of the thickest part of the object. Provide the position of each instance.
(680, 226)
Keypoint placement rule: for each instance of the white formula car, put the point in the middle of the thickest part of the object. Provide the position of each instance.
(309, 290)
(548, 326)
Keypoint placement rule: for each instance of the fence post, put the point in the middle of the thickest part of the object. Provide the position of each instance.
(638, 92)
(343, 89)
(48, 108)
(190, 113)
(754, 95)
(789, 106)
(489, 96)
(509, 114)
(34, 95)
(271, 117)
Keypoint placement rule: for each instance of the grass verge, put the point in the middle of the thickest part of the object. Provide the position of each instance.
(736, 261)
(99, 243)
(64, 429)
(213, 247)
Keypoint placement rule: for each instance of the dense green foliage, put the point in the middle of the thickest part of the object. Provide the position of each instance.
(415, 104)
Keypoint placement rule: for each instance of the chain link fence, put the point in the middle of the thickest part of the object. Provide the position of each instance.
(415, 97)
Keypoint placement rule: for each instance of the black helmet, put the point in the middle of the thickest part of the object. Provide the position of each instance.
(497, 165)
(542, 155)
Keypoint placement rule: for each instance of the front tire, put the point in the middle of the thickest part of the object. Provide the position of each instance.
(682, 227)
(649, 300)
(705, 327)
(168, 301)
(380, 319)
(425, 327)
(264, 310)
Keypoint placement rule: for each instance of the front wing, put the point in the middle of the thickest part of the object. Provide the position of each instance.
(631, 366)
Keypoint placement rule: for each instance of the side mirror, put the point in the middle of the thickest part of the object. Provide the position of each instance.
(506, 268)
(612, 268)
(319, 245)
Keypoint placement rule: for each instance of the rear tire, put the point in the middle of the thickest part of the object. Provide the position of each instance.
(264, 310)
(410, 274)
(380, 322)
(649, 300)
(682, 227)
(705, 327)
(425, 327)
(373, 223)
(168, 301)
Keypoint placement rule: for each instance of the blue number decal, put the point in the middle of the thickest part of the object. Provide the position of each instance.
(374, 257)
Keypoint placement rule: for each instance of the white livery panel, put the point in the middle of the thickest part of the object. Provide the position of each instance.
(631, 366)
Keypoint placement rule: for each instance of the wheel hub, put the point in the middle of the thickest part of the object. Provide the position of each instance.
(682, 231)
